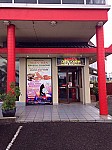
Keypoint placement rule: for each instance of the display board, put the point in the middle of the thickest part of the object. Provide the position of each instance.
(39, 90)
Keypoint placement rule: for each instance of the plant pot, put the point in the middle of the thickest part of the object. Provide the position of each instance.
(9, 113)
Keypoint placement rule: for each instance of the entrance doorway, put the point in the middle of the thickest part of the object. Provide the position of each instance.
(69, 82)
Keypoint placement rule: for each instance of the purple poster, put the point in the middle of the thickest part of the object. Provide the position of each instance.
(39, 81)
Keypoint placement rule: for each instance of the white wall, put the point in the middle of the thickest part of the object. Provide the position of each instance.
(22, 79)
(86, 84)
(55, 81)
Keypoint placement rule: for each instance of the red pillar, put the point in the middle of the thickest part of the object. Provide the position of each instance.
(11, 55)
(101, 71)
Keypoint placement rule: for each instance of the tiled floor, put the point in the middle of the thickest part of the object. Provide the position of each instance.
(62, 112)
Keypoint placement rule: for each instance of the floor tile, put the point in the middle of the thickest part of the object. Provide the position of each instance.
(75, 112)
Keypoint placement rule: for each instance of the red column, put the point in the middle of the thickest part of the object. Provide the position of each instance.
(101, 71)
(11, 55)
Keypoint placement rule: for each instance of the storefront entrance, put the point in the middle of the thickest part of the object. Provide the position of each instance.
(69, 82)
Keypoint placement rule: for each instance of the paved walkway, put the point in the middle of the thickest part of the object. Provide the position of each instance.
(62, 112)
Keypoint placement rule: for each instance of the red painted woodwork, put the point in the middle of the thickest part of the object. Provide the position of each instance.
(11, 55)
(56, 50)
(53, 14)
(51, 50)
(101, 71)
(109, 49)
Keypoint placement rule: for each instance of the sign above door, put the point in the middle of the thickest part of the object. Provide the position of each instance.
(70, 61)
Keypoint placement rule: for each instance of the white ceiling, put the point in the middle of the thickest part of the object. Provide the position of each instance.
(42, 31)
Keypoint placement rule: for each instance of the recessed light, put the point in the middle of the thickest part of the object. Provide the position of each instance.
(100, 24)
(6, 22)
(53, 23)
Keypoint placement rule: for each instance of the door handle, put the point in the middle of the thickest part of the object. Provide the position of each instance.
(62, 87)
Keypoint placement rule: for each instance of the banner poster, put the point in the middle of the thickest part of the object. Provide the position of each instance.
(39, 81)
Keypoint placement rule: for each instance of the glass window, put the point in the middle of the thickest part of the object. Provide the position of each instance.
(73, 1)
(96, 2)
(5, 1)
(26, 1)
(49, 1)
(99, 2)
(3, 74)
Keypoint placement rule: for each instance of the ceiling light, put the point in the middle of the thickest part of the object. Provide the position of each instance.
(53, 23)
(6, 22)
(100, 24)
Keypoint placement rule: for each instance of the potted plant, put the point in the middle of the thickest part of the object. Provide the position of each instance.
(9, 100)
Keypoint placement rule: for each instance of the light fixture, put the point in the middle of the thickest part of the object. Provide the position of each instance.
(100, 24)
(81, 56)
(53, 23)
(6, 22)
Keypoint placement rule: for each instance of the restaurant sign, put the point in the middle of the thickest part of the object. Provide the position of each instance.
(70, 61)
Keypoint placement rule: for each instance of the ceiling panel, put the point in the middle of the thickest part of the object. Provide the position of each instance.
(71, 31)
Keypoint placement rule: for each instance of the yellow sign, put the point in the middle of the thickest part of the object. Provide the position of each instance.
(70, 61)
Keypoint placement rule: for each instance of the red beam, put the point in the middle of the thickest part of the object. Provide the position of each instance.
(55, 50)
(51, 50)
(109, 49)
(53, 14)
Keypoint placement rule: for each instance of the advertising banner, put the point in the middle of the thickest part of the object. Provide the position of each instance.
(70, 61)
(39, 81)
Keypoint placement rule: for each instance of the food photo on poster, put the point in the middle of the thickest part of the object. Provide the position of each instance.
(39, 89)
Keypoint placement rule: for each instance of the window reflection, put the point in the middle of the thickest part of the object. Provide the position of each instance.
(5, 1)
(49, 1)
(90, 2)
(73, 1)
(3, 74)
(26, 1)
(96, 2)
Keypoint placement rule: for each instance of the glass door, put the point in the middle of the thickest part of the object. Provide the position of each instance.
(62, 87)
(71, 87)
(68, 84)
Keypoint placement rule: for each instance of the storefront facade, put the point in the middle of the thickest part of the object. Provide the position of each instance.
(50, 46)
(64, 84)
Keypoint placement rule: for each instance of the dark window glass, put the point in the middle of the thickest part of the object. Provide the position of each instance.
(5, 1)
(3, 74)
(26, 1)
(96, 2)
(49, 1)
(73, 1)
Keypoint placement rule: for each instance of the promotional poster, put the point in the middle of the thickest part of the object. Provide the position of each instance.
(39, 81)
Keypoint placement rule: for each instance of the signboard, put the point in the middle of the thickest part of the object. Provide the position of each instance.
(39, 81)
(70, 61)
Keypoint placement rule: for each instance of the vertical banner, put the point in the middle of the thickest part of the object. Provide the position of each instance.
(39, 81)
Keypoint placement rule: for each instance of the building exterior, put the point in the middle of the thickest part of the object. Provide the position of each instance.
(49, 39)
